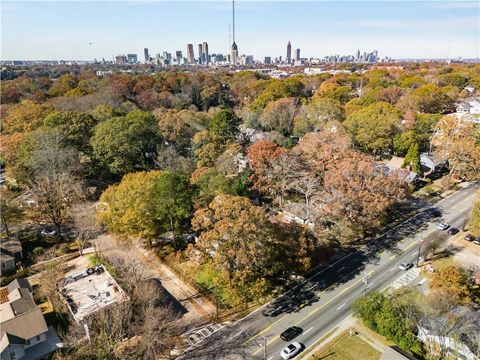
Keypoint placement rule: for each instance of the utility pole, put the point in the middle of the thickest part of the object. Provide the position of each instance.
(264, 348)
(365, 281)
(419, 249)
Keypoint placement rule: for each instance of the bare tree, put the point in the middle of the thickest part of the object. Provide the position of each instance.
(85, 224)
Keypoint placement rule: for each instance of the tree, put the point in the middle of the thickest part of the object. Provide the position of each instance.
(403, 141)
(54, 175)
(457, 283)
(279, 115)
(62, 85)
(316, 114)
(24, 117)
(237, 238)
(335, 91)
(428, 98)
(224, 125)
(412, 159)
(85, 224)
(123, 144)
(212, 183)
(457, 142)
(76, 128)
(129, 208)
(474, 225)
(173, 202)
(374, 127)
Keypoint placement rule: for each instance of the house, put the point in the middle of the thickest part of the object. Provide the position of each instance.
(88, 291)
(454, 348)
(463, 108)
(24, 334)
(11, 253)
(394, 166)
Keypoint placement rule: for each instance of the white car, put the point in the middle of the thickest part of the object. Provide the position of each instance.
(405, 266)
(443, 226)
(48, 233)
(291, 350)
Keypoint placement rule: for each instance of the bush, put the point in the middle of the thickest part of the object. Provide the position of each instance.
(38, 251)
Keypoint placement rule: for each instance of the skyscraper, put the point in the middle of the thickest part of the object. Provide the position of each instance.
(179, 57)
(289, 53)
(205, 53)
(234, 56)
(297, 55)
(200, 53)
(145, 53)
(190, 54)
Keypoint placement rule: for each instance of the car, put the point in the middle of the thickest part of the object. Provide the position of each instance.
(291, 333)
(291, 350)
(443, 226)
(48, 233)
(476, 241)
(453, 231)
(405, 266)
(469, 237)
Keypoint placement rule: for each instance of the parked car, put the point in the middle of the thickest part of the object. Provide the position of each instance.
(469, 237)
(291, 333)
(476, 241)
(405, 266)
(48, 233)
(443, 226)
(453, 231)
(291, 350)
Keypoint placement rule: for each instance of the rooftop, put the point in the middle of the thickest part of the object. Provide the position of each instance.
(91, 290)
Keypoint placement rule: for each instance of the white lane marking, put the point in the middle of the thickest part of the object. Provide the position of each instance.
(373, 282)
(270, 358)
(311, 287)
(341, 306)
(234, 336)
(413, 256)
(306, 331)
(393, 268)
(343, 267)
(422, 281)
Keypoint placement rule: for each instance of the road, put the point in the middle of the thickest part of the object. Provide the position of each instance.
(319, 304)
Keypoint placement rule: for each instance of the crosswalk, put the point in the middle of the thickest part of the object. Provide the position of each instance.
(406, 278)
(195, 336)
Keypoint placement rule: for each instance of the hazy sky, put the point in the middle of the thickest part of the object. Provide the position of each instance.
(399, 29)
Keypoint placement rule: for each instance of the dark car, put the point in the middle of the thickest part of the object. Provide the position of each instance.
(469, 237)
(452, 231)
(291, 333)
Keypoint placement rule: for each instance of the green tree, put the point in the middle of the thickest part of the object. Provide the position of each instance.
(224, 125)
(212, 183)
(474, 225)
(412, 158)
(76, 127)
(173, 202)
(315, 115)
(403, 141)
(374, 127)
(123, 144)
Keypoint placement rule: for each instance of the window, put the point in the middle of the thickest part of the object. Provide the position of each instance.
(28, 342)
(38, 337)
(3, 264)
(13, 355)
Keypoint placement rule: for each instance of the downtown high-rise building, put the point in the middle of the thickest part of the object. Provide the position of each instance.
(289, 53)
(190, 54)
(200, 53)
(205, 58)
(179, 57)
(146, 56)
(234, 54)
(297, 55)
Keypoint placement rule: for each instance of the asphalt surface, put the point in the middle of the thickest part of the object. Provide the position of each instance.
(319, 304)
(324, 301)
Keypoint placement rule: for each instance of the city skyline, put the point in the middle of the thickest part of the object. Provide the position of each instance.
(405, 29)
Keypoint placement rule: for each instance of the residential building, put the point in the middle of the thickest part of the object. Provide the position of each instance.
(88, 291)
(10, 254)
(24, 334)
(190, 54)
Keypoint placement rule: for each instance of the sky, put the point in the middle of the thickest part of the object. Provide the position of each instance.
(84, 30)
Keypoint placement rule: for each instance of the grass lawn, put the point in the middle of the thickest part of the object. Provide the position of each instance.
(346, 347)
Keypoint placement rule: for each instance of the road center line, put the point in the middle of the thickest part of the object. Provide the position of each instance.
(306, 331)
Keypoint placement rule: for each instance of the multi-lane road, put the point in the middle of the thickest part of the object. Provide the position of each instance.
(320, 303)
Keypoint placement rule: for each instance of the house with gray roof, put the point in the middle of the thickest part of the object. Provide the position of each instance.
(10, 254)
(24, 334)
